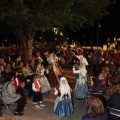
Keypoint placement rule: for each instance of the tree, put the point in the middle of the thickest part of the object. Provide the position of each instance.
(28, 16)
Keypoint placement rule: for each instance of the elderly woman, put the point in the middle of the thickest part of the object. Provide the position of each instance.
(9, 95)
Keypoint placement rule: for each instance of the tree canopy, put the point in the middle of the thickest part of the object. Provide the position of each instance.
(45, 14)
(28, 16)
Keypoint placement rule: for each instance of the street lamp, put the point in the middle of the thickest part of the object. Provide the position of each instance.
(98, 33)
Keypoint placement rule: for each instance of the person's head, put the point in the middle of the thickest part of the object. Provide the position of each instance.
(13, 63)
(36, 78)
(21, 63)
(64, 87)
(95, 107)
(63, 81)
(115, 51)
(8, 65)
(42, 65)
(105, 70)
(1, 68)
(101, 52)
(1, 59)
(11, 76)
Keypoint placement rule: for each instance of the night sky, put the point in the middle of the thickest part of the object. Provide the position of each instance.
(110, 24)
(109, 28)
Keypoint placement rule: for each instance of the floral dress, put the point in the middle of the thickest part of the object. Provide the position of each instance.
(81, 88)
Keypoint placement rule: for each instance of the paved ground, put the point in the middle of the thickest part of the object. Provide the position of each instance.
(46, 113)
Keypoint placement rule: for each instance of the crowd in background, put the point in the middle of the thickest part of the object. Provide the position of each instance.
(103, 67)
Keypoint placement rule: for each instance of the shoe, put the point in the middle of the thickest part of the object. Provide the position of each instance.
(34, 103)
(42, 105)
(37, 106)
(18, 113)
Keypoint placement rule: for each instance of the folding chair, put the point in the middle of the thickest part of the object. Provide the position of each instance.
(7, 108)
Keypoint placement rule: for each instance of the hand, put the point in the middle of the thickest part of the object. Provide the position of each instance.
(54, 89)
(38, 90)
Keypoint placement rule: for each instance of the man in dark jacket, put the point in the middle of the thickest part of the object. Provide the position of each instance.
(114, 102)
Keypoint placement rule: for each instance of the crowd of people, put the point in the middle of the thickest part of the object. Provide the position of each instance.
(44, 71)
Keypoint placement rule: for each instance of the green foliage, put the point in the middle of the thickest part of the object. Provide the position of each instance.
(45, 14)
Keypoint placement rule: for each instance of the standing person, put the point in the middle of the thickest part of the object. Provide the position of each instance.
(81, 88)
(9, 95)
(56, 67)
(63, 104)
(95, 62)
(43, 80)
(95, 110)
(52, 78)
(37, 95)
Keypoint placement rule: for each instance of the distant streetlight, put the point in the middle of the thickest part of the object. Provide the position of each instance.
(98, 33)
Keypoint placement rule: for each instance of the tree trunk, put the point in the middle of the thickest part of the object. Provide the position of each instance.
(26, 42)
(30, 38)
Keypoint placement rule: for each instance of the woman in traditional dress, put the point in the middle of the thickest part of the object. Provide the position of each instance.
(52, 77)
(56, 67)
(81, 88)
(63, 104)
(43, 80)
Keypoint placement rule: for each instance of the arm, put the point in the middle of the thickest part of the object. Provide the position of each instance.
(55, 91)
(12, 91)
(75, 71)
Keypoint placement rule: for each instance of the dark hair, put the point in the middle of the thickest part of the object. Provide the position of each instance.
(95, 107)
(10, 75)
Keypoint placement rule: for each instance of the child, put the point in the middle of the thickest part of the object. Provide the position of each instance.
(37, 95)
(63, 104)
(43, 80)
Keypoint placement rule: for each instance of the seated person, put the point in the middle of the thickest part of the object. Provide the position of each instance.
(28, 73)
(9, 95)
(114, 102)
(112, 67)
(2, 117)
(20, 83)
(100, 83)
(95, 110)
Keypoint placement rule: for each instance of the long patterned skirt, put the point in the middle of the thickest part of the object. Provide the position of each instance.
(63, 107)
(81, 91)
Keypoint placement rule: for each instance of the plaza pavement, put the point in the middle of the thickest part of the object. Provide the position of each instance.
(46, 113)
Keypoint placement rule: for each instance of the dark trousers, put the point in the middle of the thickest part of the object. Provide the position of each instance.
(20, 104)
(37, 96)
